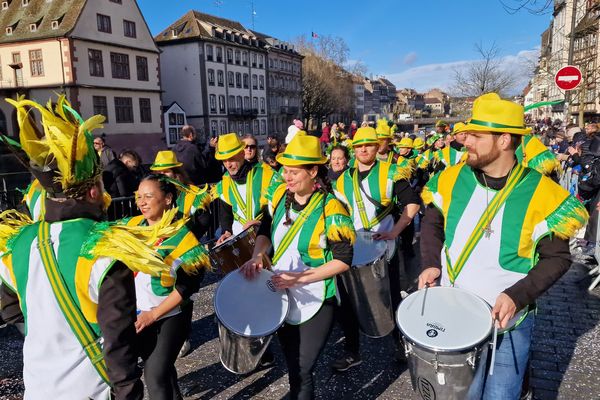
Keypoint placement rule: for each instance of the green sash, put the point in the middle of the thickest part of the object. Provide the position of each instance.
(289, 236)
(80, 327)
(485, 219)
(361, 205)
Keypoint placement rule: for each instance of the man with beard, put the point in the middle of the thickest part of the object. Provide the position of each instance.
(508, 258)
(241, 191)
(454, 152)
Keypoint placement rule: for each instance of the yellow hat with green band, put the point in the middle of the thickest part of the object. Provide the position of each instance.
(492, 114)
(406, 142)
(302, 150)
(165, 159)
(418, 143)
(228, 146)
(383, 130)
(458, 128)
(365, 135)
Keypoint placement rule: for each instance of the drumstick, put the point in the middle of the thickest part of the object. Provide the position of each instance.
(424, 297)
(494, 347)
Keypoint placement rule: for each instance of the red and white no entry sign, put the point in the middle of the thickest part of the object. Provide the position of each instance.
(568, 78)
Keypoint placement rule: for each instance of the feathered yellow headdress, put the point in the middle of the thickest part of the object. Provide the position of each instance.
(62, 157)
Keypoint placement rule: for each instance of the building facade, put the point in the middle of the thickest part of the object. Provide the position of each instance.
(100, 54)
(215, 69)
(284, 83)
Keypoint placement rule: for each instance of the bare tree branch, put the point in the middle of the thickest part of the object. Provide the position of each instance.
(536, 7)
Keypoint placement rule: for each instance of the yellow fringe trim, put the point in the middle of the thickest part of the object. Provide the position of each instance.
(403, 172)
(427, 196)
(338, 233)
(11, 222)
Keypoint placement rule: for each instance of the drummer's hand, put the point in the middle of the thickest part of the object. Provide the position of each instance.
(429, 276)
(504, 309)
(250, 223)
(391, 235)
(223, 237)
(286, 280)
(144, 320)
(252, 266)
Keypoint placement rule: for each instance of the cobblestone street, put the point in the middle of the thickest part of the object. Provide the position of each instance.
(564, 359)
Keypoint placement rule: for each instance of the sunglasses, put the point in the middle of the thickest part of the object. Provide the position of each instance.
(251, 146)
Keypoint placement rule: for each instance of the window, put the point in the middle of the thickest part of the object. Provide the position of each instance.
(219, 54)
(255, 127)
(231, 102)
(255, 103)
(129, 28)
(213, 103)
(209, 52)
(254, 60)
(261, 82)
(123, 110)
(220, 77)
(145, 110)
(261, 61)
(229, 56)
(254, 82)
(100, 106)
(238, 102)
(116, 1)
(246, 79)
(237, 57)
(230, 79)
(211, 77)
(36, 62)
(223, 127)
(142, 68)
(263, 127)
(244, 58)
(213, 128)
(238, 79)
(262, 105)
(25, 3)
(103, 23)
(119, 64)
(221, 103)
(246, 103)
(95, 60)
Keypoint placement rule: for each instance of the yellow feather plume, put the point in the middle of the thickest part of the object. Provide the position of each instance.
(11, 222)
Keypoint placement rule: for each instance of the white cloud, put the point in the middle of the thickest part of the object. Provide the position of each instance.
(425, 77)
(410, 58)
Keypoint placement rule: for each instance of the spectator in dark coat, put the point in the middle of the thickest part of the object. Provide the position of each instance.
(133, 162)
(118, 180)
(105, 153)
(190, 154)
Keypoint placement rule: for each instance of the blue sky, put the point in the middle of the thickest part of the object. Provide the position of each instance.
(413, 43)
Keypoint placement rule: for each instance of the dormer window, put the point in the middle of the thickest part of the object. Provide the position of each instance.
(9, 30)
(55, 24)
(32, 27)
(5, 5)
(24, 3)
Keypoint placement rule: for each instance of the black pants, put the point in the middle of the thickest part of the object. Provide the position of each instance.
(301, 345)
(159, 346)
(345, 313)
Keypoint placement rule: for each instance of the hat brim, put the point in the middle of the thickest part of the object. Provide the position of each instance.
(364, 142)
(292, 160)
(470, 127)
(227, 155)
(163, 167)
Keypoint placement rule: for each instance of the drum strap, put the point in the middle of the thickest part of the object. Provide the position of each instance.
(485, 219)
(244, 206)
(79, 325)
(289, 236)
(357, 186)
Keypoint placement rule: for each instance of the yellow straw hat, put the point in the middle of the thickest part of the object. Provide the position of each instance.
(492, 114)
(302, 150)
(228, 146)
(383, 130)
(458, 128)
(418, 143)
(365, 135)
(165, 159)
(406, 142)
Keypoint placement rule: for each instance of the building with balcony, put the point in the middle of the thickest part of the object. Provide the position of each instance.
(100, 54)
(214, 69)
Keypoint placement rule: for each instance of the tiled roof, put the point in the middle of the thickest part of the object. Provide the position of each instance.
(41, 13)
(190, 26)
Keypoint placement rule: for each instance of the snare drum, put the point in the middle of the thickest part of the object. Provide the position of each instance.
(235, 251)
(368, 286)
(248, 313)
(447, 334)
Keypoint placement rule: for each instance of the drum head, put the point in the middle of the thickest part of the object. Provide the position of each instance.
(250, 308)
(366, 249)
(451, 320)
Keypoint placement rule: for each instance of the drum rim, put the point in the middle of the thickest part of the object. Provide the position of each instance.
(452, 350)
(218, 314)
(383, 255)
(231, 239)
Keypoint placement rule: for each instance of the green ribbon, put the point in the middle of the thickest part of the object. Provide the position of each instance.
(164, 165)
(542, 104)
(494, 124)
(223, 153)
(301, 158)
